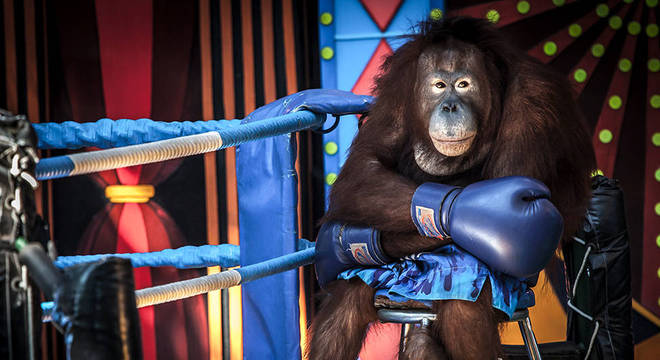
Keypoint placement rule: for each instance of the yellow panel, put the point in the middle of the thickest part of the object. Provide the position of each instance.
(215, 322)
(235, 323)
(548, 317)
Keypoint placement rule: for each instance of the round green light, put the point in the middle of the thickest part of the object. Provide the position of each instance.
(657, 175)
(575, 30)
(634, 28)
(597, 172)
(559, 2)
(331, 148)
(330, 178)
(550, 48)
(605, 136)
(615, 102)
(652, 30)
(615, 22)
(655, 139)
(657, 240)
(625, 65)
(326, 18)
(651, 3)
(327, 53)
(523, 7)
(659, 277)
(656, 208)
(597, 50)
(602, 10)
(580, 75)
(493, 16)
(655, 101)
(659, 301)
(436, 14)
(653, 65)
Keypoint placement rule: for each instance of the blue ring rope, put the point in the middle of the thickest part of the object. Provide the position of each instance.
(106, 133)
(247, 273)
(84, 163)
(185, 257)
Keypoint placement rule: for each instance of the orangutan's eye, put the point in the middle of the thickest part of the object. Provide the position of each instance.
(440, 85)
(463, 84)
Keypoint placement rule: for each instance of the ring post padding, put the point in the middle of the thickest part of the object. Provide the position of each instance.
(94, 161)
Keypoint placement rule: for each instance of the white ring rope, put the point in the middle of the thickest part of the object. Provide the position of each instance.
(94, 161)
(186, 288)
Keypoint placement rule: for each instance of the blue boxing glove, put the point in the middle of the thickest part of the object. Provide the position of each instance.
(508, 223)
(340, 247)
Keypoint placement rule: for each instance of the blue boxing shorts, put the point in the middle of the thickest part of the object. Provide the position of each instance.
(444, 274)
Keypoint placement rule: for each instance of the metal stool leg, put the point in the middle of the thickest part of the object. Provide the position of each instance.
(529, 339)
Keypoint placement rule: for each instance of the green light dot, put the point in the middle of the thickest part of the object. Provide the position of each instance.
(331, 148)
(575, 30)
(330, 178)
(655, 139)
(580, 75)
(327, 53)
(652, 30)
(653, 65)
(326, 18)
(602, 10)
(605, 136)
(657, 208)
(659, 301)
(597, 172)
(634, 28)
(559, 2)
(493, 16)
(615, 102)
(597, 50)
(615, 22)
(523, 7)
(659, 277)
(657, 240)
(651, 3)
(436, 14)
(655, 101)
(625, 65)
(657, 175)
(550, 48)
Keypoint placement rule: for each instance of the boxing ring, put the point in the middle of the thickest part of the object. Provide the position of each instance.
(268, 224)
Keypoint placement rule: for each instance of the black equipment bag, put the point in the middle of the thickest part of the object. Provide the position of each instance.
(598, 276)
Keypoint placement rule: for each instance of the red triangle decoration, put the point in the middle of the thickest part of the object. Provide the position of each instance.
(365, 82)
(381, 11)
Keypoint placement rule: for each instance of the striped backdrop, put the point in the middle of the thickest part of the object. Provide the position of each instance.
(209, 59)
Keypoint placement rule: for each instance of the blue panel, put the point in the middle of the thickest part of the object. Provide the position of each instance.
(355, 37)
(353, 18)
(327, 39)
(410, 13)
(352, 57)
(347, 131)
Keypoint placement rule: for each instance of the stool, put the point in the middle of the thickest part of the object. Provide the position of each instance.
(410, 312)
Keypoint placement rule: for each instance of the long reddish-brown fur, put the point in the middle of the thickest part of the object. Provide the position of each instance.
(531, 127)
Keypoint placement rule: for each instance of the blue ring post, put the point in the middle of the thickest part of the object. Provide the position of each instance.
(267, 201)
